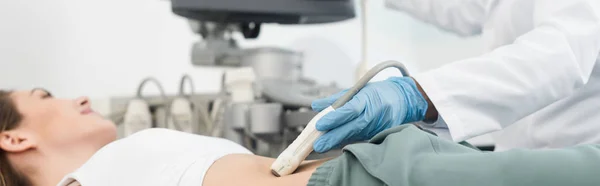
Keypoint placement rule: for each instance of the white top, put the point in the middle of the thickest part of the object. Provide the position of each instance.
(159, 157)
(539, 80)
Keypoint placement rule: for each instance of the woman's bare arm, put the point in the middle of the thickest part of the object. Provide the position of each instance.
(245, 169)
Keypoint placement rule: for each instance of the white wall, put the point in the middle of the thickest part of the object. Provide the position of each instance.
(104, 48)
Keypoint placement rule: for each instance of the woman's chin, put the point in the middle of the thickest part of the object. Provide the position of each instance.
(106, 129)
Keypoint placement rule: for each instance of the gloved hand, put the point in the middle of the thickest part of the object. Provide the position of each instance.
(376, 107)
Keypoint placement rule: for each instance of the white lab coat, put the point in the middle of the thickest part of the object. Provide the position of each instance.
(539, 82)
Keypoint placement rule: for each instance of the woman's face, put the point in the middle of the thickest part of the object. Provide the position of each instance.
(60, 123)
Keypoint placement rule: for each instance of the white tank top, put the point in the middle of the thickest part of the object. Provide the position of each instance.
(153, 157)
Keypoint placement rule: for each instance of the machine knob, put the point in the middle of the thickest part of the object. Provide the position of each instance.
(250, 30)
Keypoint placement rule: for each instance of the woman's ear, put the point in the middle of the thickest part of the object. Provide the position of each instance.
(15, 141)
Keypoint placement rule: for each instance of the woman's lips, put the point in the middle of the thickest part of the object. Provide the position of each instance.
(87, 111)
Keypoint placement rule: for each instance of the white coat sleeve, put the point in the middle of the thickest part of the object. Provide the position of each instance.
(464, 17)
(486, 93)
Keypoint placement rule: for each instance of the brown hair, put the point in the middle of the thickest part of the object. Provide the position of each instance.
(9, 119)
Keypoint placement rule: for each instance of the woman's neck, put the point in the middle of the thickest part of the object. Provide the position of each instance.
(49, 168)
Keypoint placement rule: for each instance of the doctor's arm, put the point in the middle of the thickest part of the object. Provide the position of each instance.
(408, 156)
(489, 92)
(464, 17)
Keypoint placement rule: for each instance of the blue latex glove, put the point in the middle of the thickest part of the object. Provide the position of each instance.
(376, 107)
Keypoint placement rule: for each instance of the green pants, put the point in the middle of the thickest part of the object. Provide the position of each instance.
(407, 156)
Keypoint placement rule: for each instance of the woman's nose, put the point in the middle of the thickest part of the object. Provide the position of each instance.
(83, 101)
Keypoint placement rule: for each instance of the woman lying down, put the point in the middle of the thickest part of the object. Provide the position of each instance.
(46, 141)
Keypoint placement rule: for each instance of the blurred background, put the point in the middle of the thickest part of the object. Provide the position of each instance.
(103, 48)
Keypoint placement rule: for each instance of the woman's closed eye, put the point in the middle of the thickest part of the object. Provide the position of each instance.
(41, 93)
(47, 95)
